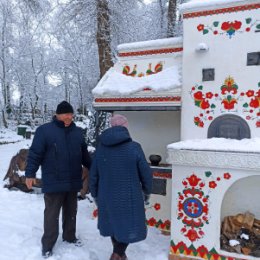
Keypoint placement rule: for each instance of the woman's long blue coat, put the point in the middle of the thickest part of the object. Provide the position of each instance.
(119, 176)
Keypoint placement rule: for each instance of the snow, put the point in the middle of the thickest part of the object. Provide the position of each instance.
(115, 83)
(219, 144)
(196, 5)
(152, 44)
(233, 242)
(21, 225)
(245, 236)
(7, 135)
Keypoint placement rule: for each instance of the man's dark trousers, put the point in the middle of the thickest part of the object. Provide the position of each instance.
(53, 203)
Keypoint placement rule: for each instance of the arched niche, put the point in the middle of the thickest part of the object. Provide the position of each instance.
(229, 126)
(242, 196)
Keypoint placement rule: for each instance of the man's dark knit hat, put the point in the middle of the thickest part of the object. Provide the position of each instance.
(64, 107)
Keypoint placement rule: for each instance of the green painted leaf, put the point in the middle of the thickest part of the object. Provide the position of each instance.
(259, 84)
(248, 20)
(216, 24)
(258, 26)
(229, 97)
(197, 103)
(205, 31)
(245, 105)
(200, 87)
(213, 106)
(208, 174)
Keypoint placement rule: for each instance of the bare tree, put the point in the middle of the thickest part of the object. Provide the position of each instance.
(172, 15)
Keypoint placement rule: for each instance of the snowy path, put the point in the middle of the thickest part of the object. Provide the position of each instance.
(21, 220)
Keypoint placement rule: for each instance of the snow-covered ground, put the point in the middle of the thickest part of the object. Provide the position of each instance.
(21, 226)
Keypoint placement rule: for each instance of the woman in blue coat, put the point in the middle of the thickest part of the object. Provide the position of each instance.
(120, 181)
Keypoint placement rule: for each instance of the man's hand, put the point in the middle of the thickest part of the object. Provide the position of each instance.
(30, 182)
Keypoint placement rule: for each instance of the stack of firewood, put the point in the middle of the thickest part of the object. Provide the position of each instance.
(241, 234)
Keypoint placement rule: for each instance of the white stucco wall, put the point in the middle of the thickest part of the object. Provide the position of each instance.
(154, 130)
(228, 56)
(242, 196)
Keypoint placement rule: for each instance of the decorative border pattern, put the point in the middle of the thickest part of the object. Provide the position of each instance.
(222, 10)
(162, 225)
(230, 28)
(150, 52)
(162, 175)
(133, 72)
(218, 159)
(138, 99)
(203, 252)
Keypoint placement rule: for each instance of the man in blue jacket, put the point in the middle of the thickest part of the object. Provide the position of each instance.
(60, 149)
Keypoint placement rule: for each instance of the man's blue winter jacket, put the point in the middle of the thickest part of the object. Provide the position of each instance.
(60, 151)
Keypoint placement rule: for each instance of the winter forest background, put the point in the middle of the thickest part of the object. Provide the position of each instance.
(54, 50)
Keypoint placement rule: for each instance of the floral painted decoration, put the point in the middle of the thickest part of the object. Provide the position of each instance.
(229, 99)
(193, 204)
(230, 27)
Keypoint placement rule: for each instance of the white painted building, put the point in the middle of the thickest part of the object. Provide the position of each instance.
(199, 96)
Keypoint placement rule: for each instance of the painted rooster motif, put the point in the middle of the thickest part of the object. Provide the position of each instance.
(158, 67)
(127, 72)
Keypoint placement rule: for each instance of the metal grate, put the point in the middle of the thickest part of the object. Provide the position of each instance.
(229, 126)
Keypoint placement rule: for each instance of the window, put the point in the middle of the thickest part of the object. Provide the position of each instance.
(253, 58)
(208, 74)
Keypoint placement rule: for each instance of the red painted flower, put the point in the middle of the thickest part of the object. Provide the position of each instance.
(157, 206)
(167, 224)
(192, 235)
(212, 184)
(248, 29)
(227, 26)
(204, 104)
(193, 180)
(151, 222)
(201, 233)
(183, 230)
(227, 175)
(257, 124)
(210, 117)
(198, 95)
(200, 27)
(255, 103)
(202, 250)
(95, 213)
(198, 122)
(209, 95)
(229, 103)
(250, 93)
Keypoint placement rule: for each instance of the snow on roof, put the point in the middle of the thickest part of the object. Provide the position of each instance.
(195, 5)
(219, 144)
(153, 44)
(115, 83)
